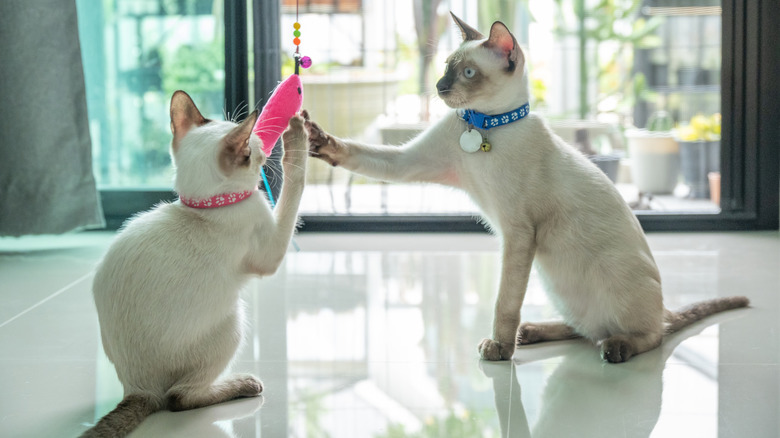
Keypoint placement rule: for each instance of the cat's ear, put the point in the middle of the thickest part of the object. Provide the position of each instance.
(235, 145)
(184, 116)
(504, 43)
(468, 32)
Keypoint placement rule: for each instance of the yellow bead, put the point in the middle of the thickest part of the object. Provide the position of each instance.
(297, 26)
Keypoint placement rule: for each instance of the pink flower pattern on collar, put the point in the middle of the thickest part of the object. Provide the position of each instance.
(222, 200)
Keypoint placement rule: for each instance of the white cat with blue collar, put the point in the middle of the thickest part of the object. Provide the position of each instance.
(543, 198)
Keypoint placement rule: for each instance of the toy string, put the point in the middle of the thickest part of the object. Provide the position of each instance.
(297, 55)
(267, 188)
(262, 170)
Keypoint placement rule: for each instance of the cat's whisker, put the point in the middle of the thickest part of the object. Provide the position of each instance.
(295, 165)
(242, 107)
(265, 130)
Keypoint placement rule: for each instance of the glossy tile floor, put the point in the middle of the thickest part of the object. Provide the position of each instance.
(375, 336)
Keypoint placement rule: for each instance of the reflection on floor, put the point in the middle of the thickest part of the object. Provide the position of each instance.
(375, 336)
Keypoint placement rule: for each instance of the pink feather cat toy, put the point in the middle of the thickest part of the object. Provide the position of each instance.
(285, 102)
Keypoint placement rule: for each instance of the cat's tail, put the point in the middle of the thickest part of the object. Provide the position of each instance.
(128, 414)
(696, 311)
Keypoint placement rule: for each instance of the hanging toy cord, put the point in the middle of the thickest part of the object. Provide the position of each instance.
(300, 61)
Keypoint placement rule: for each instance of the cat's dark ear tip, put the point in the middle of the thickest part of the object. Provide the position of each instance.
(179, 93)
(468, 32)
(179, 98)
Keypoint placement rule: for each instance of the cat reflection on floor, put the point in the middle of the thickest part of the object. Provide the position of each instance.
(583, 398)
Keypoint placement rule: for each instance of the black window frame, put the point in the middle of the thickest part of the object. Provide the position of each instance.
(750, 101)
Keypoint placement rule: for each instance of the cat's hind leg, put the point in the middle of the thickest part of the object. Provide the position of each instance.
(533, 332)
(621, 347)
(198, 381)
(184, 397)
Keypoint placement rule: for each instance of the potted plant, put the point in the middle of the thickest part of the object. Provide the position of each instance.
(655, 155)
(699, 152)
(599, 141)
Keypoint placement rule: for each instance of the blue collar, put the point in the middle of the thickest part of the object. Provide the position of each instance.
(485, 121)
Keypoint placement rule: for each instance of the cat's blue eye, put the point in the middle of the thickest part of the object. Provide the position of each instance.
(469, 72)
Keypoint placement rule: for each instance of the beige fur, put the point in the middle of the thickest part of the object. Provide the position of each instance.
(167, 291)
(545, 201)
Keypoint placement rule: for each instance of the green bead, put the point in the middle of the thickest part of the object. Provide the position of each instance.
(297, 33)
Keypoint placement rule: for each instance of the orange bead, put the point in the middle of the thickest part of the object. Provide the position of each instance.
(297, 41)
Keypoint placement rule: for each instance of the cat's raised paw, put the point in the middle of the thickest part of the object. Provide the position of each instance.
(295, 136)
(322, 145)
(494, 350)
(617, 349)
(295, 141)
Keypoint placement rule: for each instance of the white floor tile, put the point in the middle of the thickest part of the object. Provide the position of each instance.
(374, 335)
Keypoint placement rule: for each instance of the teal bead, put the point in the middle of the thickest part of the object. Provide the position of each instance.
(297, 33)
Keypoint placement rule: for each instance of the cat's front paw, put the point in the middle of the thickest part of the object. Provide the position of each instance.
(323, 145)
(296, 142)
(494, 350)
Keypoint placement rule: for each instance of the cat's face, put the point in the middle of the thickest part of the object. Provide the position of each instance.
(485, 74)
(212, 157)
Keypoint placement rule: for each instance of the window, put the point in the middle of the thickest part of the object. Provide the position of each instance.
(136, 54)
(652, 62)
(594, 72)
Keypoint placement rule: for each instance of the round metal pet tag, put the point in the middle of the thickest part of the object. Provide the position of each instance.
(470, 141)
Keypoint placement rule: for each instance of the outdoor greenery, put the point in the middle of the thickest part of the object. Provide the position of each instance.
(608, 32)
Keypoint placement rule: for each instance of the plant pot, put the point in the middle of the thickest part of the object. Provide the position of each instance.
(655, 160)
(687, 76)
(714, 178)
(697, 159)
(658, 75)
(593, 131)
(609, 164)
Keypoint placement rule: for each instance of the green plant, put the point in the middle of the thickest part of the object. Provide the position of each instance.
(660, 121)
(492, 10)
(597, 23)
(195, 68)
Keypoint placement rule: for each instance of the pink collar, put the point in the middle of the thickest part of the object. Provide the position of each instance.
(216, 201)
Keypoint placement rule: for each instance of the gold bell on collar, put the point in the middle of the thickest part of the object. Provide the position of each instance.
(485, 146)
